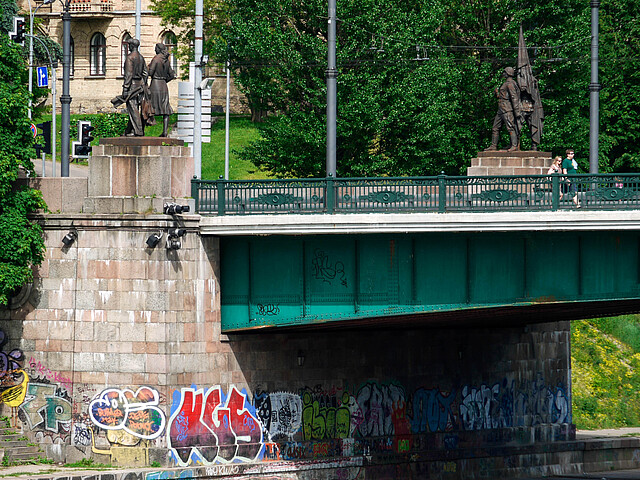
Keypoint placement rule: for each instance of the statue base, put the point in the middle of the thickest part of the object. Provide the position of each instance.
(138, 174)
(501, 162)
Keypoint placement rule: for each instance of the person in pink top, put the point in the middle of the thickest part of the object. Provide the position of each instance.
(556, 167)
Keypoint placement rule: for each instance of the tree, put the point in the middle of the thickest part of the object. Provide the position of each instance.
(21, 241)
(415, 90)
(180, 15)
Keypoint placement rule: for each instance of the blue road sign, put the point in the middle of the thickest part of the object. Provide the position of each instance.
(43, 77)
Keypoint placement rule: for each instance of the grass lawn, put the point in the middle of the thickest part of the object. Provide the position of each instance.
(241, 132)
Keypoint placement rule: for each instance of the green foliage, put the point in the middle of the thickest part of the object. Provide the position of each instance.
(179, 15)
(605, 361)
(21, 242)
(88, 463)
(9, 10)
(105, 124)
(6, 421)
(398, 115)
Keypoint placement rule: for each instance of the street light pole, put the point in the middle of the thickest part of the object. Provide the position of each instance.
(197, 91)
(332, 101)
(594, 91)
(65, 98)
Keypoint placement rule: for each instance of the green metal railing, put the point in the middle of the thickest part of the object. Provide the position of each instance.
(417, 194)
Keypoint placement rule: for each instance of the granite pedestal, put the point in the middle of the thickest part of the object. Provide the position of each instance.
(138, 175)
(510, 163)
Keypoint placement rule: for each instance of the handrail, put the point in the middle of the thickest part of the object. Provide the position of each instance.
(439, 194)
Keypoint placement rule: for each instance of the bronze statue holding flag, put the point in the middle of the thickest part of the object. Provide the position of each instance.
(531, 104)
(518, 103)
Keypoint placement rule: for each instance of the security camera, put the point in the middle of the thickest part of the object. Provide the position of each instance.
(69, 238)
(177, 232)
(174, 208)
(154, 239)
(174, 243)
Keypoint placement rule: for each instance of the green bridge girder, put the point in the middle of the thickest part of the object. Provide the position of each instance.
(311, 280)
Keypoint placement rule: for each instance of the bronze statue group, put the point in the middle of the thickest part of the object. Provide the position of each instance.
(145, 102)
(519, 104)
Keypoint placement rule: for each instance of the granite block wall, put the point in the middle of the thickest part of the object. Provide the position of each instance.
(124, 360)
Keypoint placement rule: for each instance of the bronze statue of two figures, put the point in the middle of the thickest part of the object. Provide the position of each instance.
(144, 102)
(519, 104)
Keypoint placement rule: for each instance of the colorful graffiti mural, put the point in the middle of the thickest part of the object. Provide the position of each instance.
(46, 407)
(207, 427)
(136, 413)
(13, 379)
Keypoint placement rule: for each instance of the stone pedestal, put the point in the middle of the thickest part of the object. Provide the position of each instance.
(138, 175)
(510, 163)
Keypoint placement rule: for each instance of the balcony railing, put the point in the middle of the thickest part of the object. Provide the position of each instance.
(92, 6)
(417, 194)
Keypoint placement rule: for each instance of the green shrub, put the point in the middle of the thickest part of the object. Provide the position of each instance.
(105, 124)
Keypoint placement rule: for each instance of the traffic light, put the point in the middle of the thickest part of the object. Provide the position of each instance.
(82, 148)
(17, 34)
(45, 146)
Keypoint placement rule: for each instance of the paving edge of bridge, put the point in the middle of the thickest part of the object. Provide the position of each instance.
(297, 224)
(598, 453)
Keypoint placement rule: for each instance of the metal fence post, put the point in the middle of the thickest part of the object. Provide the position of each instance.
(442, 193)
(220, 186)
(331, 194)
(195, 192)
(555, 191)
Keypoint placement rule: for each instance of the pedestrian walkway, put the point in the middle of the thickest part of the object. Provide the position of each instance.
(59, 472)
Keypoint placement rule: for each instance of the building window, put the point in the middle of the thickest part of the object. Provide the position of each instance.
(124, 50)
(170, 40)
(98, 54)
(72, 57)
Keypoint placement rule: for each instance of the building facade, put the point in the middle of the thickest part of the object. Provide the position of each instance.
(99, 30)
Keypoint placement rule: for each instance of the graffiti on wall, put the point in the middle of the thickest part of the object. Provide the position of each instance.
(47, 408)
(432, 411)
(503, 405)
(207, 427)
(135, 414)
(13, 379)
(377, 404)
(279, 412)
(39, 372)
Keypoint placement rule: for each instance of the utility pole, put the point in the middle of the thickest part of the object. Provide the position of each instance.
(332, 99)
(197, 92)
(594, 91)
(65, 98)
(138, 18)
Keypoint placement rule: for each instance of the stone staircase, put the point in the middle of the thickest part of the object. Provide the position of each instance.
(15, 448)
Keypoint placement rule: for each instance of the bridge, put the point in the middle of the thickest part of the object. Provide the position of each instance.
(182, 329)
(389, 251)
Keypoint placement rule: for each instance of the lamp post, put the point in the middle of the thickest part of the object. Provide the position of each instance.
(594, 91)
(65, 98)
(31, 15)
(331, 75)
(197, 90)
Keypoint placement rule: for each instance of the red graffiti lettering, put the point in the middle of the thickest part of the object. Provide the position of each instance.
(233, 432)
